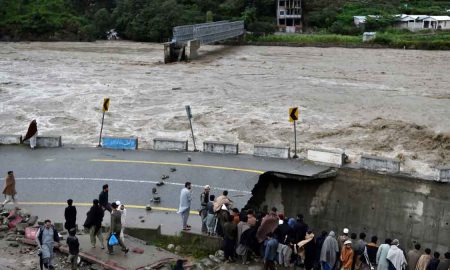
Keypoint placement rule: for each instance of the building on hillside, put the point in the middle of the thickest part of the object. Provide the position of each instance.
(411, 22)
(361, 20)
(289, 16)
(436, 22)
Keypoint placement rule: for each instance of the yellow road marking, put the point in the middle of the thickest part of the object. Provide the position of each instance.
(179, 164)
(166, 209)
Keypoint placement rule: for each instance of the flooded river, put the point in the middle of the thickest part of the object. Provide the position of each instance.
(394, 103)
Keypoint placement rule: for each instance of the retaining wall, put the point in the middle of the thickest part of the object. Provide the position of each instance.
(378, 204)
(221, 147)
(271, 151)
(170, 144)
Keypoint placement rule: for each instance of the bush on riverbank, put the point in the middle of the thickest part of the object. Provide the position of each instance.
(393, 38)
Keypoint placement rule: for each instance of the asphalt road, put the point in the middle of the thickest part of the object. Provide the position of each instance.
(48, 177)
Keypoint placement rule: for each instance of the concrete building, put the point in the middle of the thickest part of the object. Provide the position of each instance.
(436, 22)
(289, 16)
(411, 22)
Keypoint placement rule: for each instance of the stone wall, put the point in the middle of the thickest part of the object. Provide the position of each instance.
(387, 206)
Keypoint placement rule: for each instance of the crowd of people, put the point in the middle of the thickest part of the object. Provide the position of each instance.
(279, 240)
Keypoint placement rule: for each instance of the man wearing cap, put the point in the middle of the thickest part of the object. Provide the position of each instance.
(395, 256)
(9, 190)
(204, 199)
(341, 240)
(346, 255)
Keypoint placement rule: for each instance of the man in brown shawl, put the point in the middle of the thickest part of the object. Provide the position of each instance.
(10, 189)
(32, 134)
(268, 224)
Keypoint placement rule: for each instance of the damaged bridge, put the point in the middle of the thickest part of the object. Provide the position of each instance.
(187, 39)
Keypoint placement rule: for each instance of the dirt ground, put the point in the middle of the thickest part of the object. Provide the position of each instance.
(387, 102)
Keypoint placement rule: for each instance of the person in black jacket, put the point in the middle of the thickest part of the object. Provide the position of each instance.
(433, 264)
(94, 223)
(300, 229)
(74, 248)
(103, 198)
(70, 214)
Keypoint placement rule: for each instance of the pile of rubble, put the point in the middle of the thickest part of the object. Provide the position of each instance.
(18, 245)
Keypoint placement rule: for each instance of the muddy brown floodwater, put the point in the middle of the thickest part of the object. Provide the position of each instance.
(394, 103)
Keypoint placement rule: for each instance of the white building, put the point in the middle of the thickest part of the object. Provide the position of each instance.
(289, 15)
(412, 22)
(436, 22)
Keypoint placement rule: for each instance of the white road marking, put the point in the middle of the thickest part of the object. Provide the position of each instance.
(126, 181)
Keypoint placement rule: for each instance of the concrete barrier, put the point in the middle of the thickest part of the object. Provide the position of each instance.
(221, 147)
(329, 157)
(120, 143)
(170, 144)
(261, 150)
(10, 139)
(373, 163)
(444, 174)
(49, 141)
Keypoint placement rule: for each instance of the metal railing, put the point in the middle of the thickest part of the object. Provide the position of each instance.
(207, 33)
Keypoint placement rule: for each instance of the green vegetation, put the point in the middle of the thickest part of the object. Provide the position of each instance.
(310, 39)
(330, 21)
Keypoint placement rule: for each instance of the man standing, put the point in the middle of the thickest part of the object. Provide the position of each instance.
(382, 263)
(185, 205)
(9, 190)
(268, 225)
(116, 227)
(47, 236)
(445, 263)
(94, 223)
(70, 214)
(300, 228)
(413, 257)
(329, 252)
(433, 264)
(342, 238)
(270, 252)
(359, 247)
(32, 134)
(204, 199)
(424, 260)
(74, 248)
(347, 255)
(103, 198)
(395, 256)
(372, 249)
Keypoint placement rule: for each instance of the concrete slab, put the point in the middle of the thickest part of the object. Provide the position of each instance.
(221, 147)
(10, 139)
(170, 144)
(380, 164)
(130, 143)
(271, 151)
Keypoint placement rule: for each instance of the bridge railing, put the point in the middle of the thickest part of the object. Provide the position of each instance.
(207, 33)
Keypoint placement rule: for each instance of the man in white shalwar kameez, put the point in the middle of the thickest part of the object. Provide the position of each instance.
(185, 205)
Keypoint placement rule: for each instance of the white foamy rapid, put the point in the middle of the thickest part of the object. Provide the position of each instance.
(239, 94)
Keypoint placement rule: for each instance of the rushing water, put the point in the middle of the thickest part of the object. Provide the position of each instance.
(363, 100)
